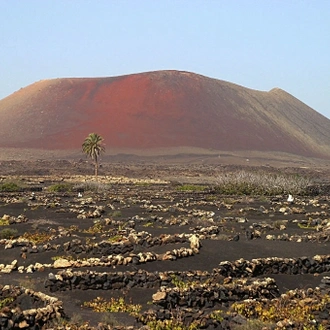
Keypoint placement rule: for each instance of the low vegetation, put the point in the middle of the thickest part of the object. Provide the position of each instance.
(286, 308)
(9, 187)
(191, 187)
(4, 222)
(92, 186)
(97, 228)
(37, 237)
(172, 324)
(8, 233)
(261, 183)
(116, 214)
(60, 187)
(113, 305)
(6, 301)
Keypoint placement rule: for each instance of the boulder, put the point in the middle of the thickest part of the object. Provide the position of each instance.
(194, 242)
(158, 296)
(62, 263)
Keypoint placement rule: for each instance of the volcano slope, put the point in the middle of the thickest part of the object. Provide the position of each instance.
(162, 109)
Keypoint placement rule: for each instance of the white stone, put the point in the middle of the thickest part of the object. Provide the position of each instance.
(160, 295)
(62, 263)
(194, 242)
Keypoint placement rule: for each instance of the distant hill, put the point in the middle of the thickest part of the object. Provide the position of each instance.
(161, 109)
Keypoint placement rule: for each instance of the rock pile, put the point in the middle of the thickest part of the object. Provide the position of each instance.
(10, 219)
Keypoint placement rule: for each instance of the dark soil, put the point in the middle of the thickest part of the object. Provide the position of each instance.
(130, 201)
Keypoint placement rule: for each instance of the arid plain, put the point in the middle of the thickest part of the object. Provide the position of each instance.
(118, 251)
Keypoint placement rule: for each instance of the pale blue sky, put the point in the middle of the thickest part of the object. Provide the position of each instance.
(260, 44)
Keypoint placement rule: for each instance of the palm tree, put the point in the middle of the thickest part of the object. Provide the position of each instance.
(93, 147)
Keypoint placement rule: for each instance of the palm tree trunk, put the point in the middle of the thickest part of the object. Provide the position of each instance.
(96, 168)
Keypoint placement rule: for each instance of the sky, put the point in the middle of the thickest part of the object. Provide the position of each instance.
(259, 44)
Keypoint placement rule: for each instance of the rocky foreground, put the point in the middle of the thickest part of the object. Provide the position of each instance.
(157, 254)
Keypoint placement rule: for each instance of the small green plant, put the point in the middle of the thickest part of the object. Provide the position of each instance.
(73, 228)
(6, 301)
(217, 315)
(172, 325)
(177, 282)
(4, 222)
(97, 228)
(75, 323)
(37, 237)
(180, 284)
(115, 238)
(230, 200)
(176, 322)
(306, 226)
(8, 233)
(9, 187)
(60, 187)
(114, 305)
(67, 257)
(109, 319)
(76, 319)
(116, 214)
(148, 224)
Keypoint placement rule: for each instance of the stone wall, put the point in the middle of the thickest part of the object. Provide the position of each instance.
(39, 308)
(67, 279)
(266, 266)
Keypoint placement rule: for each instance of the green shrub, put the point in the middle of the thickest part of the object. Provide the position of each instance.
(6, 301)
(4, 222)
(38, 237)
(60, 187)
(8, 233)
(113, 305)
(97, 228)
(10, 187)
(191, 187)
(116, 214)
(109, 319)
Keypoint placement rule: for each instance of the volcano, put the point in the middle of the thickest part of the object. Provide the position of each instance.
(161, 109)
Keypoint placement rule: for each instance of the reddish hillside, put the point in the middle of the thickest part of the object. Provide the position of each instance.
(160, 109)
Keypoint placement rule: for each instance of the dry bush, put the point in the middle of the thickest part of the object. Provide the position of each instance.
(92, 186)
(261, 183)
